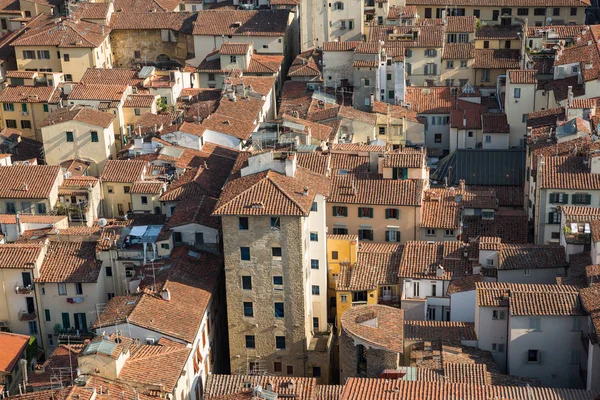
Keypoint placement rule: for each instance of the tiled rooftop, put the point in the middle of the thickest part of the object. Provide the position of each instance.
(70, 262)
(375, 324)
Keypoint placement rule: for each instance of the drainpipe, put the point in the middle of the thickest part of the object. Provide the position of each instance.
(498, 90)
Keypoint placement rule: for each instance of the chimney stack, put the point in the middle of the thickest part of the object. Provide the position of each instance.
(570, 96)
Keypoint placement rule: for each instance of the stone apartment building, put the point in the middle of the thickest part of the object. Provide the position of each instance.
(273, 220)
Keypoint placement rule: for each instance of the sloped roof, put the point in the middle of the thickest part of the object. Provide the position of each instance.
(83, 114)
(251, 23)
(66, 34)
(70, 262)
(28, 181)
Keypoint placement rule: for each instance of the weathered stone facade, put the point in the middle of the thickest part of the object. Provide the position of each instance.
(292, 267)
(150, 45)
(377, 360)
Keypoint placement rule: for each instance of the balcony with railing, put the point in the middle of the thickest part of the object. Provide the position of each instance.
(22, 289)
(25, 315)
(359, 303)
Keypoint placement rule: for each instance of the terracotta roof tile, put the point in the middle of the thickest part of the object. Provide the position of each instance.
(31, 218)
(329, 392)
(522, 76)
(496, 59)
(131, 6)
(498, 32)
(567, 172)
(446, 332)
(92, 11)
(189, 280)
(316, 130)
(21, 256)
(464, 284)
(555, 31)
(440, 210)
(70, 262)
(429, 100)
(316, 162)
(28, 181)
(72, 33)
(377, 325)
(521, 256)
(177, 21)
(83, 114)
(195, 210)
(114, 76)
(458, 51)
(500, 3)
(147, 187)
(253, 23)
(126, 171)
(340, 46)
(234, 49)
(140, 100)
(370, 188)
(29, 94)
(370, 270)
(11, 349)
(220, 387)
(97, 92)
(422, 260)
(374, 389)
(495, 123)
(460, 24)
(509, 225)
(271, 193)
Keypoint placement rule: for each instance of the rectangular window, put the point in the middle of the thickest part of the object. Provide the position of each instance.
(78, 288)
(498, 314)
(11, 208)
(45, 107)
(43, 54)
(392, 213)
(243, 223)
(488, 138)
(62, 289)
(68, 78)
(556, 11)
(144, 199)
(449, 64)
(334, 254)
(280, 345)
(367, 83)
(314, 236)
(47, 315)
(314, 207)
(533, 356)
(485, 75)
(11, 123)
(279, 310)
(277, 367)
(108, 271)
(392, 235)
(316, 290)
(365, 234)
(245, 253)
(389, 77)
(94, 136)
(340, 231)
(29, 54)
(535, 324)
(41, 208)
(25, 124)
(137, 54)
(573, 11)
(522, 11)
(539, 11)
(33, 327)
(250, 342)
(582, 199)
(339, 211)
(275, 223)
(290, 370)
(278, 280)
(50, 339)
(315, 323)
(247, 282)
(430, 232)
(248, 309)
(137, 111)
(517, 93)
(316, 371)
(314, 264)
(365, 212)
(126, 189)
(437, 138)
(8, 107)
(66, 58)
(69, 136)
(276, 253)
(343, 298)
(66, 320)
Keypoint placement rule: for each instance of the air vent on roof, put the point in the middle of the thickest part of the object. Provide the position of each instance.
(237, 24)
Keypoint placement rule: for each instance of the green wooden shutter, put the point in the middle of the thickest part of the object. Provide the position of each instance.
(588, 199)
(65, 320)
(370, 213)
(565, 198)
(552, 197)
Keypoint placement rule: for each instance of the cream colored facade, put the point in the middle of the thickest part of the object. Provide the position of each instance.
(72, 61)
(416, 62)
(131, 115)
(116, 198)
(454, 74)
(26, 117)
(150, 205)
(486, 13)
(91, 143)
(32, 8)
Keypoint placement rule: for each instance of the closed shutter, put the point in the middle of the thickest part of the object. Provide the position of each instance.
(370, 213)
(553, 197)
(387, 213)
(66, 321)
(588, 199)
(551, 218)
(434, 69)
(164, 35)
(565, 199)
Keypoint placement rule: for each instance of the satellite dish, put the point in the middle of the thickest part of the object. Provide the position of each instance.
(102, 222)
(126, 217)
(548, 20)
